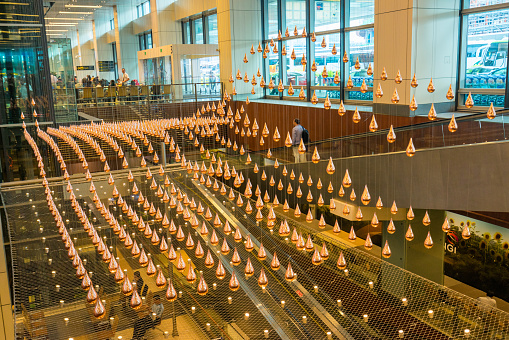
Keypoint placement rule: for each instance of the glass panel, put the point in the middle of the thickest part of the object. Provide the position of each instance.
(146, 7)
(198, 31)
(362, 12)
(273, 72)
(324, 57)
(486, 50)
(187, 33)
(327, 15)
(482, 3)
(361, 45)
(295, 15)
(272, 18)
(295, 72)
(149, 40)
(141, 39)
(212, 26)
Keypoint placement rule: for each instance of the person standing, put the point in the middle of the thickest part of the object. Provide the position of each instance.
(124, 78)
(142, 324)
(296, 138)
(487, 302)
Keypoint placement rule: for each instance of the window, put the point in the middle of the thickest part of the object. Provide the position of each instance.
(198, 31)
(485, 35)
(327, 15)
(186, 32)
(360, 46)
(143, 9)
(323, 17)
(112, 24)
(272, 20)
(145, 40)
(362, 12)
(212, 29)
(194, 31)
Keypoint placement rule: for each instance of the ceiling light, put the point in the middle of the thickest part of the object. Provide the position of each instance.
(62, 24)
(54, 34)
(80, 13)
(83, 6)
(57, 30)
(63, 18)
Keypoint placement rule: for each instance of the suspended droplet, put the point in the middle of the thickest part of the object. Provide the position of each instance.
(351, 235)
(379, 204)
(234, 283)
(410, 149)
(414, 82)
(391, 136)
(391, 228)
(398, 78)
(465, 233)
(274, 264)
(289, 274)
(445, 226)
(491, 112)
(356, 116)
(366, 197)
(395, 97)
(368, 244)
(347, 181)
(450, 94)
(384, 74)
(386, 251)
(432, 114)
(469, 102)
(341, 264)
(99, 310)
(409, 236)
(428, 242)
(453, 126)
(413, 104)
(431, 87)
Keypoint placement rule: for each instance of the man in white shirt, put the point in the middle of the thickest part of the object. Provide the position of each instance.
(125, 77)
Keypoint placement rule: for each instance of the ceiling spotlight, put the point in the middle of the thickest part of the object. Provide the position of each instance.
(83, 6)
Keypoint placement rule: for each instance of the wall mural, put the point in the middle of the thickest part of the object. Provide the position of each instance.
(482, 261)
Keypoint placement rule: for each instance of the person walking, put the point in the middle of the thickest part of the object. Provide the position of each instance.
(296, 138)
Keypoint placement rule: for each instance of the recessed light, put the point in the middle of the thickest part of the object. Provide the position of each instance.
(63, 18)
(80, 13)
(83, 6)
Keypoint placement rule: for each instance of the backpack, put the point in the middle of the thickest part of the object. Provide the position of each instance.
(305, 136)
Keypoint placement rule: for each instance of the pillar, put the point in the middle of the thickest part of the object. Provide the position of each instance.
(239, 23)
(421, 37)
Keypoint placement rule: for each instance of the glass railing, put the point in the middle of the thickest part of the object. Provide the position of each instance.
(143, 94)
(471, 129)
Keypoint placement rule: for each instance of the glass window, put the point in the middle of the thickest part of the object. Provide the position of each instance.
(149, 40)
(146, 7)
(482, 3)
(212, 29)
(272, 63)
(486, 54)
(187, 32)
(295, 72)
(295, 15)
(327, 15)
(324, 57)
(112, 24)
(360, 45)
(141, 39)
(362, 12)
(272, 12)
(198, 31)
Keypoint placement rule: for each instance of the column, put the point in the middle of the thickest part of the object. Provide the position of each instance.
(117, 40)
(239, 24)
(421, 37)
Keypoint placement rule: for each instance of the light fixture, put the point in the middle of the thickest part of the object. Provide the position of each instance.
(52, 34)
(63, 24)
(63, 18)
(79, 13)
(83, 6)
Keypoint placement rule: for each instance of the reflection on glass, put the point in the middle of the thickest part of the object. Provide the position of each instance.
(361, 45)
(212, 28)
(486, 51)
(204, 71)
(327, 15)
(324, 57)
(295, 15)
(272, 18)
(273, 72)
(362, 12)
(198, 31)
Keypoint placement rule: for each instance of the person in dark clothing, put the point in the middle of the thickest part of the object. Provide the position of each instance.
(139, 281)
(152, 319)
